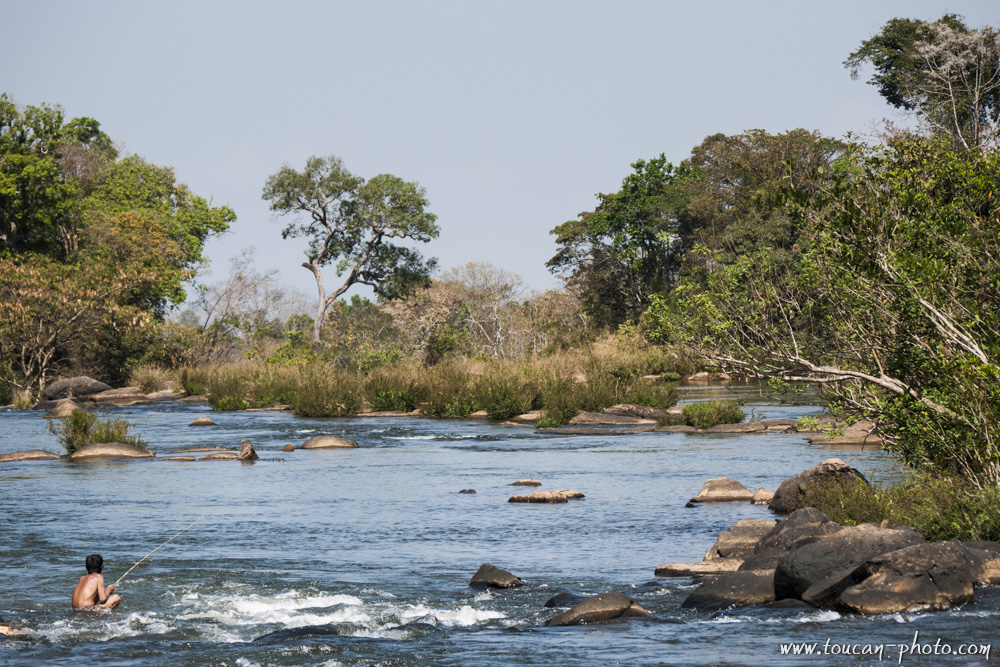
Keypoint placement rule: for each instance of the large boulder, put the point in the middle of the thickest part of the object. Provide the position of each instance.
(741, 539)
(63, 409)
(789, 496)
(28, 455)
(110, 450)
(732, 589)
(328, 442)
(813, 563)
(723, 489)
(73, 388)
(801, 527)
(490, 576)
(247, 452)
(600, 608)
(985, 559)
(922, 576)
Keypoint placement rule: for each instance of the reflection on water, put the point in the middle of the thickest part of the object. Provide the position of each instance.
(363, 556)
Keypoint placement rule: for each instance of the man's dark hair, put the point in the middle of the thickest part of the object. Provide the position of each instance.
(95, 564)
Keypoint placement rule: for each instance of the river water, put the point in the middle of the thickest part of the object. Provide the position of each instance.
(363, 556)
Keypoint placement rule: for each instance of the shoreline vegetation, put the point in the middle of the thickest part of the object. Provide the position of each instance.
(869, 269)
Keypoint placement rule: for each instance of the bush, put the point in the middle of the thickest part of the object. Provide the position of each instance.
(939, 508)
(193, 381)
(706, 414)
(82, 428)
(327, 391)
(150, 378)
(504, 397)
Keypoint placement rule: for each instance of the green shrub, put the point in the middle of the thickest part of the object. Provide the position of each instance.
(549, 422)
(506, 397)
(150, 378)
(939, 508)
(706, 414)
(327, 391)
(82, 428)
(229, 403)
(193, 381)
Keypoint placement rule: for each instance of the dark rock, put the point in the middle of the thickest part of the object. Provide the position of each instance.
(640, 411)
(111, 450)
(732, 589)
(28, 455)
(561, 496)
(600, 608)
(922, 576)
(723, 489)
(789, 496)
(812, 563)
(489, 576)
(73, 388)
(247, 452)
(564, 599)
(328, 442)
(801, 527)
(467, 491)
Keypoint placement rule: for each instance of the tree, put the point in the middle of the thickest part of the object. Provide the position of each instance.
(350, 224)
(944, 72)
(614, 257)
(895, 306)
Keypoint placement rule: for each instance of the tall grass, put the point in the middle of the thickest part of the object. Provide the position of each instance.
(82, 428)
(151, 378)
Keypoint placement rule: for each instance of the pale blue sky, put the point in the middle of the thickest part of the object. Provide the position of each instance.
(511, 114)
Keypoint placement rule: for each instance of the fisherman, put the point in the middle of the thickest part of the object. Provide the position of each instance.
(90, 593)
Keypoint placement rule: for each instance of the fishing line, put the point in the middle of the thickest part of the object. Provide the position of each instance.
(156, 549)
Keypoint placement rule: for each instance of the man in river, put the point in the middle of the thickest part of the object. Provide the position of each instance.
(90, 593)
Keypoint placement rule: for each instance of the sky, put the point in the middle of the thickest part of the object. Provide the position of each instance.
(512, 115)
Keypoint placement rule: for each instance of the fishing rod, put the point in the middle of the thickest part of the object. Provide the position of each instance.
(156, 549)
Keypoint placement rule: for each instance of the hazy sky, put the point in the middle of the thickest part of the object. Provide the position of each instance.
(511, 114)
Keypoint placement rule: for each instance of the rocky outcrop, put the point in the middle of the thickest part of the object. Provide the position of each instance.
(221, 456)
(732, 589)
(561, 496)
(607, 419)
(860, 433)
(527, 419)
(564, 599)
(110, 450)
(490, 576)
(328, 442)
(601, 608)
(247, 452)
(744, 427)
(63, 409)
(789, 496)
(73, 388)
(676, 428)
(812, 564)
(723, 489)
(526, 482)
(639, 411)
(707, 568)
(28, 455)
(762, 496)
(118, 397)
(802, 527)
(202, 421)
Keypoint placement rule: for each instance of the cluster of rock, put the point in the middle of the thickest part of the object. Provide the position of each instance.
(809, 559)
(726, 490)
(601, 608)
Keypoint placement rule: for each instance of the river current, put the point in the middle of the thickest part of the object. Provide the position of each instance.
(363, 556)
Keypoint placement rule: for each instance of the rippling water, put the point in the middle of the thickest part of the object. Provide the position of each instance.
(364, 556)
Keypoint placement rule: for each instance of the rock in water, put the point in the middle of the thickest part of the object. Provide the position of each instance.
(328, 442)
(789, 495)
(741, 539)
(600, 608)
(29, 455)
(526, 482)
(489, 576)
(202, 421)
(73, 387)
(288, 448)
(64, 408)
(732, 589)
(247, 452)
(723, 489)
(111, 450)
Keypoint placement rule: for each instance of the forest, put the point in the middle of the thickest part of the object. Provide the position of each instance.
(870, 269)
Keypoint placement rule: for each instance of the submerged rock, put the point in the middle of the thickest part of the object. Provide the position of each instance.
(202, 421)
(177, 458)
(600, 609)
(490, 576)
(564, 599)
(221, 456)
(111, 450)
(28, 455)
(467, 491)
(560, 496)
(328, 442)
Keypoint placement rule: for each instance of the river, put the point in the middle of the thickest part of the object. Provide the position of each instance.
(363, 556)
